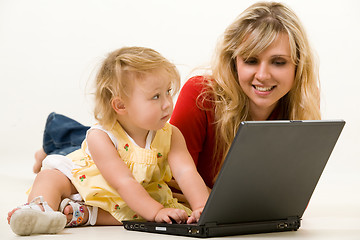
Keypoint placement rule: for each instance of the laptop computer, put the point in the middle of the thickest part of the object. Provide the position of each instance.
(266, 181)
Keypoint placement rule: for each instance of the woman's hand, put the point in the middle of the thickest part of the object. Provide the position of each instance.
(195, 216)
(171, 214)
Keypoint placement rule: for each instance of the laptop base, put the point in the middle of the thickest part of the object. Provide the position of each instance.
(213, 230)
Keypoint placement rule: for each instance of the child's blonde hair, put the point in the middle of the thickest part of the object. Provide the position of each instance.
(250, 34)
(119, 70)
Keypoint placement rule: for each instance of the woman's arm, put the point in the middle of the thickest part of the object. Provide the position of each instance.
(185, 173)
(118, 175)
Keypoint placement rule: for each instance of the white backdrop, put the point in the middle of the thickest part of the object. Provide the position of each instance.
(49, 49)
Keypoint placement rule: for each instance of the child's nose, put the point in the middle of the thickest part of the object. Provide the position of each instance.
(167, 103)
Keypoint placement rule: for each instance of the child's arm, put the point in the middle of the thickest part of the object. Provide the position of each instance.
(186, 175)
(118, 175)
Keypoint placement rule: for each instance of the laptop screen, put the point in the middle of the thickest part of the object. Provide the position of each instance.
(271, 171)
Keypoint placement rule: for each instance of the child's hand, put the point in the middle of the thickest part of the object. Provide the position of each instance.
(169, 214)
(195, 216)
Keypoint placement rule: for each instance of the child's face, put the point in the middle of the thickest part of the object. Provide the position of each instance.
(150, 104)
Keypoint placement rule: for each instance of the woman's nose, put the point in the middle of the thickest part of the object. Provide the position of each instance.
(262, 72)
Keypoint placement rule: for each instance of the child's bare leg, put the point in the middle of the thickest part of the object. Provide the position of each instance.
(53, 185)
(39, 157)
(64, 188)
(104, 218)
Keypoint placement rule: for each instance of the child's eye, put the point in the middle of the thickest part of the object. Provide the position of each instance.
(169, 91)
(157, 96)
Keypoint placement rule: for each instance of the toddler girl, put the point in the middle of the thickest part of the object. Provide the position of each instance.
(126, 159)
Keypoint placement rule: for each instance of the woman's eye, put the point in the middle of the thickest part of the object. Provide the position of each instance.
(279, 62)
(250, 61)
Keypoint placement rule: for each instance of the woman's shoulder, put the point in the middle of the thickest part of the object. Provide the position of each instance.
(196, 83)
(196, 86)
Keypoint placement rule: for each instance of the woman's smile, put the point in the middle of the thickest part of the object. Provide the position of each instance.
(262, 90)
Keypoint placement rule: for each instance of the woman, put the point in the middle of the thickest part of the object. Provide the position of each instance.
(263, 69)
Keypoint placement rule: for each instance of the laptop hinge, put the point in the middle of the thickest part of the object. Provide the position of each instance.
(290, 222)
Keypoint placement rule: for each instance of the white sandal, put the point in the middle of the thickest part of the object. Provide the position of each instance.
(79, 212)
(31, 219)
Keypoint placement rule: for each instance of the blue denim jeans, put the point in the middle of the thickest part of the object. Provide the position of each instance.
(62, 135)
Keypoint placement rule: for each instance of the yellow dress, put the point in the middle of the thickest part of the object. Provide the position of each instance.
(149, 167)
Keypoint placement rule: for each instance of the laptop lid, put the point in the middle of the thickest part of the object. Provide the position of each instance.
(270, 171)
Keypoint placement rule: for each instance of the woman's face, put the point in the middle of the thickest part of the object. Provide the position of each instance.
(267, 77)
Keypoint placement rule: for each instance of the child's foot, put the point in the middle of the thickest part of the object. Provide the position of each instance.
(36, 217)
(76, 213)
(68, 212)
(39, 157)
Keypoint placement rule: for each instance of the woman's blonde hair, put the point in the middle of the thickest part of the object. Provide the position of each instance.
(250, 34)
(119, 70)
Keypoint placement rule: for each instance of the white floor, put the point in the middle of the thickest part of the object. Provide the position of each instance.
(333, 212)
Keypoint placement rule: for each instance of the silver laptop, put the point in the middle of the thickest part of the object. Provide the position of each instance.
(266, 181)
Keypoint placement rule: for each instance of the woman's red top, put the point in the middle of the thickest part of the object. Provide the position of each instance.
(197, 125)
